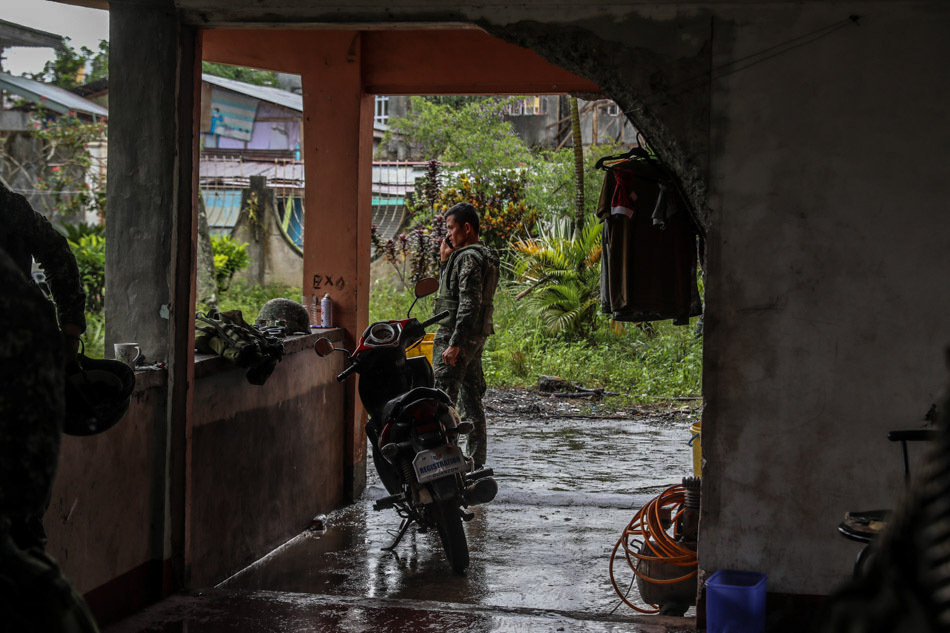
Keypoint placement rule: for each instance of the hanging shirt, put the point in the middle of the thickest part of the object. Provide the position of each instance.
(648, 268)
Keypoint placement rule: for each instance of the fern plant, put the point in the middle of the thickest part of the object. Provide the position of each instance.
(560, 273)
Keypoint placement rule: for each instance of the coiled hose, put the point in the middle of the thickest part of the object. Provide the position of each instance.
(645, 539)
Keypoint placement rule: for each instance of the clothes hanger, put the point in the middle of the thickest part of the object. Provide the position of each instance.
(637, 152)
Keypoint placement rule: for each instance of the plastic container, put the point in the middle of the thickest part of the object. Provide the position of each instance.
(696, 441)
(735, 602)
(424, 348)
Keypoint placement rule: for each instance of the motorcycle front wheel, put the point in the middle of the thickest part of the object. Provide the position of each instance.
(446, 517)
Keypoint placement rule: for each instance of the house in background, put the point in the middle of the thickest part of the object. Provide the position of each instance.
(249, 131)
(24, 158)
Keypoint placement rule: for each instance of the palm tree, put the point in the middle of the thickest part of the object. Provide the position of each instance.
(560, 270)
(578, 165)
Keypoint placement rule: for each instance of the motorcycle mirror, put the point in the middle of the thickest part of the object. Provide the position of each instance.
(425, 287)
(323, 347)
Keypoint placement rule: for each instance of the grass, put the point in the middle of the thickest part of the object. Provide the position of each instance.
(644, 367)
(250, 299)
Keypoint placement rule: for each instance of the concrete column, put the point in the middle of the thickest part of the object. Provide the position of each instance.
(338, 128)
(151, 227)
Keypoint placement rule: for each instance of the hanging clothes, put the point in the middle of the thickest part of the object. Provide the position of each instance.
(648, 267)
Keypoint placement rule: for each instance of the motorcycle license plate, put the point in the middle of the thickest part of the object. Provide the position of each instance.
(437, 463)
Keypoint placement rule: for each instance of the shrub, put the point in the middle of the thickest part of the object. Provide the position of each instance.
(230, 257)
(88, 244)
(559, 272)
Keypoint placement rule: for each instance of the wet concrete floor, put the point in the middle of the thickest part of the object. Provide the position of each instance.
(539, 552)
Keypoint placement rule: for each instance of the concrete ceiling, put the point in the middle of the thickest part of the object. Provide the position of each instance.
(415, 14)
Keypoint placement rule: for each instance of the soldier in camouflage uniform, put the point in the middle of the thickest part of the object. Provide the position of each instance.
(26, 235)
(467, 290)
(35, 596)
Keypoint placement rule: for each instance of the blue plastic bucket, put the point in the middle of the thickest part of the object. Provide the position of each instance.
(735, 602)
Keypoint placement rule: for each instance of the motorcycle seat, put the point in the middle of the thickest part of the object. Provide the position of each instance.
(394, 407)
(420, 371)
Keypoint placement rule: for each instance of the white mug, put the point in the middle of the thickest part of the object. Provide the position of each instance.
(127, 353)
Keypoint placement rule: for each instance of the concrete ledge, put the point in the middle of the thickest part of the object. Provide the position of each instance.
(210, 364)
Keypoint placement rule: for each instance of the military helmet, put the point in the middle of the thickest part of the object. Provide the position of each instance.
(97, 395)
(294, 316)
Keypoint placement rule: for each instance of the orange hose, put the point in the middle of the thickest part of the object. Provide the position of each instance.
(644, 539)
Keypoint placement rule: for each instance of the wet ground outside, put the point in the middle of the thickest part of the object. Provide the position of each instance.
(569, 482)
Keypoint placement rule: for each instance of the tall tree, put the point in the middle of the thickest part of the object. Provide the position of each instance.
(578, 166)
(72, 67)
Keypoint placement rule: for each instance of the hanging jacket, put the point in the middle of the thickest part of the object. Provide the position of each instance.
(648, 269)
(467, 290)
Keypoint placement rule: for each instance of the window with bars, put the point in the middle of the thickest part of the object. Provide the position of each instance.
(382, 110)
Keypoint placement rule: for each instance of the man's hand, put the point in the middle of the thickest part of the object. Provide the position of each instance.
(444, 251)
(451, 355)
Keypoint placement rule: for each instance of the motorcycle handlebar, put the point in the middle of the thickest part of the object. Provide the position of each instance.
(343, 375)
(435, 319)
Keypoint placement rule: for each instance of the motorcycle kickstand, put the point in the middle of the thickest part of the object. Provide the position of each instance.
(403, 528)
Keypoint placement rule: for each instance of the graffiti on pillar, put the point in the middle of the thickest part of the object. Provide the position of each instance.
(326, 282)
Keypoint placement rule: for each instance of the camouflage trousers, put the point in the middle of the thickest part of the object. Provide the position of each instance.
(465, 384)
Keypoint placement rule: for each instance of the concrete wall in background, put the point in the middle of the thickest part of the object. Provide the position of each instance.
(827, 289)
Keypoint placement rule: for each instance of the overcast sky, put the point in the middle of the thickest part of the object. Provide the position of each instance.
(84, 27)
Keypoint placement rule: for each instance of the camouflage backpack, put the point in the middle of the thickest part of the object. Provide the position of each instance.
(228, 335)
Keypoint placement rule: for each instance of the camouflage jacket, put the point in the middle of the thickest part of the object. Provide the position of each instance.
(26, 235)
(31, 398)
(467, 289)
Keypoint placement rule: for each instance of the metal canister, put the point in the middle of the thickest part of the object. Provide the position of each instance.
(326, 311)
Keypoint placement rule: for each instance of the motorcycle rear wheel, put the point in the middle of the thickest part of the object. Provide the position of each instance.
(446, 516)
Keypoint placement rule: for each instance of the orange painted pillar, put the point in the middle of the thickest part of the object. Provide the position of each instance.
(337, 153)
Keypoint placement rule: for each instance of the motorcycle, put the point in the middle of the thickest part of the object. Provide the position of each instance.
(413, 430)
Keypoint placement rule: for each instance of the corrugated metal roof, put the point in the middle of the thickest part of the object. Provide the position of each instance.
(289, 100)
(13, 34)
(49, 96)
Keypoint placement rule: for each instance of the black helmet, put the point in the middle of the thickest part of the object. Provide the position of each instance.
(295, 316)
(97, 395)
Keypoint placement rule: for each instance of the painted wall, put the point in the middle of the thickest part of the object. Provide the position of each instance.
(265, 459)
(106, 515)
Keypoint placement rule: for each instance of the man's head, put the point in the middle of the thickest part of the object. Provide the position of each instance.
(461, 223)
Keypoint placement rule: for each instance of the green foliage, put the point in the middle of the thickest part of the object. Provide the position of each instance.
(64, 69)
(70, 175)
(499, 199)
(559, 272)
(88, 244)
(230, 257)
(644, 364)
(240, 73)
(249, 299)
(473, 136)
(550, 182)
(94, 339)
